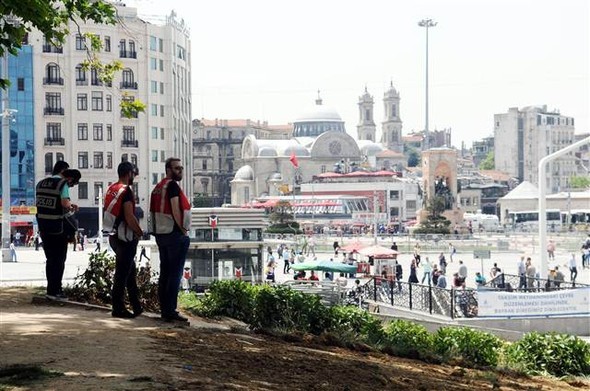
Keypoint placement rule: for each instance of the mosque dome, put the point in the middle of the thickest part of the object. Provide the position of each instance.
(318, 120)
(245, 173)
(267, 151)
(297, 149)
(371, 149)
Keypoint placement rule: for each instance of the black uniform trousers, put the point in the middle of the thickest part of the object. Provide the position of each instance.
(56, 250)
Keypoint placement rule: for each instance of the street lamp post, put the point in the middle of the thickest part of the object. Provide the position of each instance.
(6, 114)
(427, 23)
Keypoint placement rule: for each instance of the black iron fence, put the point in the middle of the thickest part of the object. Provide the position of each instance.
(454, 302)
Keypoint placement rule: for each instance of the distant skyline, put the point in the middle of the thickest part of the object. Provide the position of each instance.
(265, 60)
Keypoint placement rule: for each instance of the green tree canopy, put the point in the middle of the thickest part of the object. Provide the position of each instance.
(51, 17)
(579, 182)
(413, 158)
(488, 163)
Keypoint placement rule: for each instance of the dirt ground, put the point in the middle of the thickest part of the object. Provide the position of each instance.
(97, 352)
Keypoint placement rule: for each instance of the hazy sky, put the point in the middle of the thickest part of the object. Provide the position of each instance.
(265, 59)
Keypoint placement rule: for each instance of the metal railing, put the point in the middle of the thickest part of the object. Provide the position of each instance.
(516, 283)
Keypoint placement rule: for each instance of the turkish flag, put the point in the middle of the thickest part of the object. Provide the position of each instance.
(293, 160)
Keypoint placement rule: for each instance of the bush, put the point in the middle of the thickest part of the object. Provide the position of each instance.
(556, 354)
(351, 324)
(233, 298)
(471, 348)
(282, 308)
(407, 339)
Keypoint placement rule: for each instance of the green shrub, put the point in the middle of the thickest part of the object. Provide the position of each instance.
(471, 348)
(407, 339)
(556, 354)
(233, 298)
(282, 308)
(351, 324)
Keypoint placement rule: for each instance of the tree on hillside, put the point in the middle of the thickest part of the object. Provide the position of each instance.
(51, 17)
(488, 163)
(413, 158)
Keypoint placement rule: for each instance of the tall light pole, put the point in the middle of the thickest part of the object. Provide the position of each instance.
(427, 23)
(5, 165)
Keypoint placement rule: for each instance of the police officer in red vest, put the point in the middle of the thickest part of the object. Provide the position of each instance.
(170, 218)
(119, 219)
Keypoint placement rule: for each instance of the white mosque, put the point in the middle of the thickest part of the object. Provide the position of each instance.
(320, 144)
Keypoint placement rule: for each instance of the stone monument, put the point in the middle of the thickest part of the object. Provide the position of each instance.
(439, 175)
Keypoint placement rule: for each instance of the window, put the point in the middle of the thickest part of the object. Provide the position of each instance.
(94, 79)
(154, 110)
(80, 42)
(153, 63)
(82, 102)
(109, 100)
(154, 179)
(97, 191)
(128, 132)
(132, 49)
(128, 79)
(154, 155)
(82, 159)
(180, 52)
(162, 156)
(109, 132)
(153, 43)
(122, 46)
(53, 131)
(52, 73)
(83, 190)
(323, 169)
(154, 86)
(204, 164)
(161, 110)
(109, 160)
(124, 157)
(80, 75)
(48, 162)
(20, 83)
(96, 100)
(98, 160)
(154, 132)
(82, 131)
(59, 157)
(162, 133)
(161, 45)
(394, 195)
(107, 44)
(162, 65)
(161, 87)
(53, 100)
(410, 205)
(97, 132)
(134, 159)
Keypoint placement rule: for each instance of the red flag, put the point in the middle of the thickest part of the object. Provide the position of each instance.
(293, 160)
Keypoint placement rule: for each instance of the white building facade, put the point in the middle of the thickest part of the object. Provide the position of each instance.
(80, 119)
(522, 137)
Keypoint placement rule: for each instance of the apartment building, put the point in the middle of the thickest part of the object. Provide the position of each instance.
(78, 117)
(522, 137)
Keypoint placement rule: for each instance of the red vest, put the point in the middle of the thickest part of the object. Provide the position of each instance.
(113, 207)
(161, 209)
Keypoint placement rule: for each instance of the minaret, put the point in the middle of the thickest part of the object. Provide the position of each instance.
(391, 135)
(366, 128)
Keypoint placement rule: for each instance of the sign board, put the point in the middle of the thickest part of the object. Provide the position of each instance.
(230, 234)
(512, 304)
(369, 218)
(482, 254)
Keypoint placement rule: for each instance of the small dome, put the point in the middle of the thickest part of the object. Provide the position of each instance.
(275, 177)
(245, 173)
(267, 151)
(392, 92)
(320, 113)
(371, 149)
(298, 150)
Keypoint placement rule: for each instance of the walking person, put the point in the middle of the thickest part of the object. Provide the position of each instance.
(413, 276)
(170, 210)
(522, 274)
(124, 233)
(427, 270)
(573, 268)
(551, 250)
(52, 198)
(442, 262)
(462, 271)
(12, 252)
(452, 251)
(399, 274)
(143, 254)
(531, 272)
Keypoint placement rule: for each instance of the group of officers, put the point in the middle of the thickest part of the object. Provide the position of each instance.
(170, 223)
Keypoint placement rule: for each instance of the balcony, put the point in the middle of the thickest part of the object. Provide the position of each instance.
(127, 54)
(81, 82)
(55, 141)
(128, 85)
(132, 115)
(52, 49)
(53, 111)
(98, 82)
(129, 143)
(53, 80)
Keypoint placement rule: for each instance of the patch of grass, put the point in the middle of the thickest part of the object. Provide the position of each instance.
(23, 374)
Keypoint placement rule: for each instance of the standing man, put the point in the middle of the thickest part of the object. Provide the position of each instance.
(573, 268)
(462, 270)
(170, 211)
(522, 273)
(53, 204)
(124, 233)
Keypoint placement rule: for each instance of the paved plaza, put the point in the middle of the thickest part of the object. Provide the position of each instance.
(30, 268)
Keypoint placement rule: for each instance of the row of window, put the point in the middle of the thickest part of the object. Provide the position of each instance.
(54, 133)
(53, 76)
